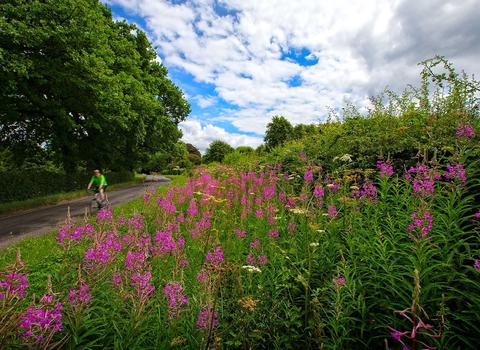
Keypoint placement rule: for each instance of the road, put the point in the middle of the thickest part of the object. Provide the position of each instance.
(34, 223)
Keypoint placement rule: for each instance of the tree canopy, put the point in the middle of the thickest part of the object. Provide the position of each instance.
(216, 151)
(278, 131)
(82, 86)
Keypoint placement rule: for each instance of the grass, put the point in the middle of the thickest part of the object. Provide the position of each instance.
(35, 203)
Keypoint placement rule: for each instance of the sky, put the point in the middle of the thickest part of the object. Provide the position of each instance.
(241, 62)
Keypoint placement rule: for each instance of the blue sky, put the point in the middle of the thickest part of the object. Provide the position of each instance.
(240, 62)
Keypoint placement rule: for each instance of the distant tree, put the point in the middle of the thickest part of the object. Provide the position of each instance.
(193, 150)
(216, 151)
(278, 131)
(194, 159)
(245, 150)
(261, 150)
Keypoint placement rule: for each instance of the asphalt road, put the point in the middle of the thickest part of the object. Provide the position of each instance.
(34, 223)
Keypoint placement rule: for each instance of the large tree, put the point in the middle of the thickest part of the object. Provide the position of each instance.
(84, 87)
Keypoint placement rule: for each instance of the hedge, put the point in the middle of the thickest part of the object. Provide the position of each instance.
(33, 184)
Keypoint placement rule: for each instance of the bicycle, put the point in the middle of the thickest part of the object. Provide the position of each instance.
(96, 203)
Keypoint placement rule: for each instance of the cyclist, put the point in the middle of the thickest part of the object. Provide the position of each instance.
(100, 184)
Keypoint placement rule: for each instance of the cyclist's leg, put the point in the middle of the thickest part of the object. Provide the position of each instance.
(101, 190)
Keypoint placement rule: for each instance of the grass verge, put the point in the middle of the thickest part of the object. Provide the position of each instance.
(37, 250)
(54, 199)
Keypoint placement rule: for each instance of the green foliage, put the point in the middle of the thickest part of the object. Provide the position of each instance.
(421, 122)
(82, 86)
(193, 150)
(20, 186)
(216, 151)
(278, 131)
(245, 150)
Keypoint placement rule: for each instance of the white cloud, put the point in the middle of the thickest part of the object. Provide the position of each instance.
(361, 47)
(205, 101)
(201, 135)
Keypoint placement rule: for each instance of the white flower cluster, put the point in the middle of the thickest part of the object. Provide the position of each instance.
(251, 268)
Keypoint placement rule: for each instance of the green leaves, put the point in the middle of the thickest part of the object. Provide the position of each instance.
(83, 86)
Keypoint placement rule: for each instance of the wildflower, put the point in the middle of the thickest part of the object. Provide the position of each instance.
(314, 244)
(346, 158)
(308, 176)
(104, 215)
(134, 261)
(241, 233)
(40, 322)
(15, 285)
(268, 192)
(215, 257)
(255, 244)
(318, 192)
(207, 318)
(332, 211)
(298, 211)
(136, 222)
(273, 233)
(141, 283)
(202, 275)
(385, 168)
(192, 208)
(251, 268)
(337, 282)
(333, 187)
(477, 265)
(466, 131)
(164, 243)
(117, 280)
(176, 298)
(455, 172)
(80, 296)
(424, 225)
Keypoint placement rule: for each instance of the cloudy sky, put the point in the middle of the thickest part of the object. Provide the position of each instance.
(240, 62)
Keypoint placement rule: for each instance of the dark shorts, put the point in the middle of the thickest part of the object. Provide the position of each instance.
(103, 187)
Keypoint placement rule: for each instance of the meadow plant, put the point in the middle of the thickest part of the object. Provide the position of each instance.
(269, 257)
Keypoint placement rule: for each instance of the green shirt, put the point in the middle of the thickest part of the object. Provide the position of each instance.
(97, 180)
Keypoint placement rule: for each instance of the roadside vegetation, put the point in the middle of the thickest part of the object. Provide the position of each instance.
(19, 206)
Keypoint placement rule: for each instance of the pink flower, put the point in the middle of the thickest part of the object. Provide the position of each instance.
(385, 168)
